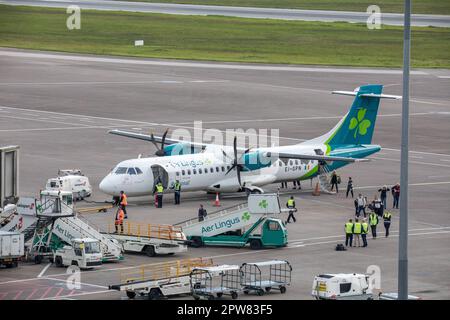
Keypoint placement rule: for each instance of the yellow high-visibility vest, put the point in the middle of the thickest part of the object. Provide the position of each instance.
(365, 227)
(290, 203)
(373, 219)
(357, 229)
(349, 227)
(159, 188)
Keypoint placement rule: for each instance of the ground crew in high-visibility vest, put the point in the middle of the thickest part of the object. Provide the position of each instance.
(357, 229)
(177, 189)
(159, 193)
(119, 220)
(387, 221)
(364, 231)
(291, 206)
(123, 202)
(373, 222)
(349, 233)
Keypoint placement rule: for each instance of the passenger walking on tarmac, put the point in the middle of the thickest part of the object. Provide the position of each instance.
(177, 189)
(357, 229)
(123, 202)
(387, 216)
(291, 206)
(383, 195)
(396, 195)
(119, 220)
(364, 231)
(334, 181)
(361, 205)
(283, 185)
(201, 213)
(349, 187)
(377, 206)
(349, 233)
(373, 222)
(296, 183)
(159, 193)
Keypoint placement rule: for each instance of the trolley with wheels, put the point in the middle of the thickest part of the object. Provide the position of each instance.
(262, 277)
(215, 282)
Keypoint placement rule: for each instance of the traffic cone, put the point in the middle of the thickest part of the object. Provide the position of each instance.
(217, 201)
(316, 191)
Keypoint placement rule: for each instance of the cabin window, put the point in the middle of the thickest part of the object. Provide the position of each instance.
(200, 171)
(217, 169)
(228, 167)
(131, 171)
(177, 174)
(211, 170)
(345, 287)
(189, 172)
(223, 169)
(138, 171)
(194, 171)
(121, 170)
(183, 172)
(291, 162)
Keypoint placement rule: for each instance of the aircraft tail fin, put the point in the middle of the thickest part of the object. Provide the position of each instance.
(357, 126)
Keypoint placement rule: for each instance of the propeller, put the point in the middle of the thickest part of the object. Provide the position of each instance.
(159, 149)
(235, 163)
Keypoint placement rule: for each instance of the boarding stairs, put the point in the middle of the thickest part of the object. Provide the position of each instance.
(70, 228)
(324, 180)
(233, 218)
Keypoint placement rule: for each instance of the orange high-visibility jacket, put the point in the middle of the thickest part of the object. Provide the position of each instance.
(124, 200)
(119, 217)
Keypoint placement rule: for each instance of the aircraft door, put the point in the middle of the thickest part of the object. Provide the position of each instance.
(160, 175)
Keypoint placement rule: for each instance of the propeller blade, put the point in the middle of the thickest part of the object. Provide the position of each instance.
(231, 168)
(238, 171)
(164, 138)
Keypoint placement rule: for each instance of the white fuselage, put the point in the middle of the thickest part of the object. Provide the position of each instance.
(204, 171)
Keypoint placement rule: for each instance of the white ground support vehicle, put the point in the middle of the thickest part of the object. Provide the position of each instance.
(71, 180)
(351, 286)
(12, 248)
(160, 280)
(151, 239)
(84, 253)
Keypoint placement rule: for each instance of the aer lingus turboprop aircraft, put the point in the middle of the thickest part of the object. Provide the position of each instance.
(217, 168)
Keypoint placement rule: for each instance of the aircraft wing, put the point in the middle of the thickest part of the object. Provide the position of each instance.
(313, 157)
(148, 137)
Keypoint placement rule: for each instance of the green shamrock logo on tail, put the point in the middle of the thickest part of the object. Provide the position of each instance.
(359, 124)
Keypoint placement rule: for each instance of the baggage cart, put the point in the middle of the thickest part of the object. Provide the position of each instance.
(264, 276)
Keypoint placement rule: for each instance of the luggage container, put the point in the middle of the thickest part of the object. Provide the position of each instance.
(264, 276)
(215, 281)
(11, 248)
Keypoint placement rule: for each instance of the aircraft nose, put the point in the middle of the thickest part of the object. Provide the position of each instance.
(106, 186)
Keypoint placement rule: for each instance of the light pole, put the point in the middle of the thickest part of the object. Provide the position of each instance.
(403, 237)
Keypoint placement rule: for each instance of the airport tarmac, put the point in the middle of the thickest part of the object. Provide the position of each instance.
(59, 110)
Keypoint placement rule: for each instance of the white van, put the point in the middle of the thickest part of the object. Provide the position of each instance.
(341, 286)
(71, 180)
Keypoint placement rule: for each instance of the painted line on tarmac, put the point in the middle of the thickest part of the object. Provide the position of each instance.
(108, 82)
(414, 162)
(34, 55)
(44, 270)
(80, 283)
(77, 295)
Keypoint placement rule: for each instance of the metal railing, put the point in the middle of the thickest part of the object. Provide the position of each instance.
(214, 214)
(164, 270)
(160, 231)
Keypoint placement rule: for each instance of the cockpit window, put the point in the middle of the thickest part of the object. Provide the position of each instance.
(121, 170)
(131, 171)
(138, 171)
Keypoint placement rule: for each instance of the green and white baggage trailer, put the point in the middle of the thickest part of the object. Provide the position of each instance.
(264, 276)
(240, 225)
